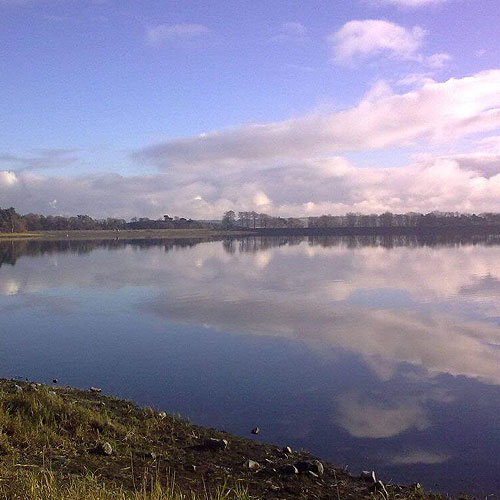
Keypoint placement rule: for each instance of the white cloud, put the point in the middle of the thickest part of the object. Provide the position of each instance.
(307, 187)
(163, 32)
(438, 112)
(375, 36)
(290, 168)
(416, 80)
(438, 60)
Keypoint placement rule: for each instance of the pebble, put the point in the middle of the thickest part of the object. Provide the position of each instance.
(255, 430)
(95, 389)
(369, 476)
(379, 487)
(287, 449)
(289, 469)
(54, 381)
(215, 444)
(107, 449)
(251, 464)
(311, 466)
(162, 414)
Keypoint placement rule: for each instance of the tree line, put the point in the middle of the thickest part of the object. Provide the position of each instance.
(254, 220)
(12, 222)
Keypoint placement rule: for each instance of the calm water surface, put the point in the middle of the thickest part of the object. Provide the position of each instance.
(380, 354)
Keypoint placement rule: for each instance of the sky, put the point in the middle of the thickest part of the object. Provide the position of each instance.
(143, 108)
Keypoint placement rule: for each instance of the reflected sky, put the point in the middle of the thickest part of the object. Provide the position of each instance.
(372, 353)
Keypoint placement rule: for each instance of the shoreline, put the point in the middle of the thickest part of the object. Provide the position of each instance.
(119, 444)
(145, 234)
(123, 234)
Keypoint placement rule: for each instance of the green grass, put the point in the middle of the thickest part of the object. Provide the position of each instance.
(43, 485)
(38, 427)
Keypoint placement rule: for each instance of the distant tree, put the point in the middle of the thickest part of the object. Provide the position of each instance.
(228, 219)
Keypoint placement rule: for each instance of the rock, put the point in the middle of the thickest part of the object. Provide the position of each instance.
(95, 389)
(215, 444)
(107, 449)
(289, 469)
(251, 464)
(287, 449)
(255, 430)
(18, 389)
(302, 466)
(380, 488)
(318, 468)
(162, 415)
(54, 381)
(369, 476)
(34, 387)
(271, 486)
(311, 466)
(190, 468)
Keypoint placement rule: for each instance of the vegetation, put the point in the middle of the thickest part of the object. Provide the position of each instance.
(12, 222)
(53, 446)
(254, 220)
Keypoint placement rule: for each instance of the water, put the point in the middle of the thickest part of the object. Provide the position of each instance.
(372, 353)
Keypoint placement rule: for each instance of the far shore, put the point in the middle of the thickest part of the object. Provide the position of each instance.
(103, 234)
(204, 233)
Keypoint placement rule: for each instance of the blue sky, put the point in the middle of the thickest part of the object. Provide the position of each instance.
(103, 103)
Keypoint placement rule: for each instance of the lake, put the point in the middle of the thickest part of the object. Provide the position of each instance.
(373, 353)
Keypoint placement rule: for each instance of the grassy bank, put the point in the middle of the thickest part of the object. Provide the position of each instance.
(124, 234)
(62, 443)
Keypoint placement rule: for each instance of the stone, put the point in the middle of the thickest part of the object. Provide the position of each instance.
(369, 476)
(380, 488)
(317, 468)
(310, 466)
(190, 468)
(54, 381)
(162, 415)
(215, 444)
(289, 469)
(255, 430)
(302, 466)
(287, 449)
(95, 389)
(34, 387)
(107, 449)
(251, 464)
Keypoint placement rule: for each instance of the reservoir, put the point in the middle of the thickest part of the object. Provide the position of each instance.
(371, 352)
